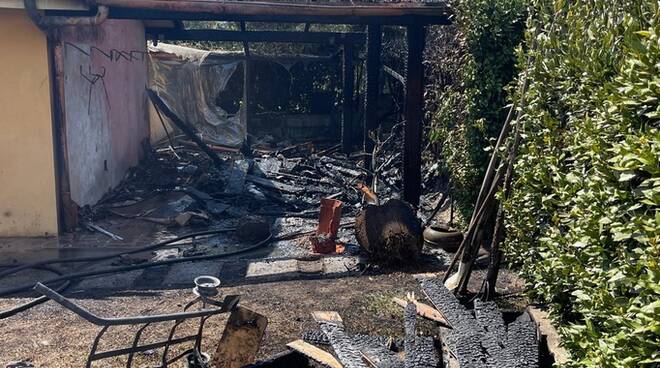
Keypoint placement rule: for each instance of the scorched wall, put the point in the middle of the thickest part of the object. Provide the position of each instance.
(105, 104)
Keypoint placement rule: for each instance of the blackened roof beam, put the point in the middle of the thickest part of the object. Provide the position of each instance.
(418, 13)
(172, 34)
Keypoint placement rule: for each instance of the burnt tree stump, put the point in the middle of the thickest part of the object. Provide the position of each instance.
(390, 232)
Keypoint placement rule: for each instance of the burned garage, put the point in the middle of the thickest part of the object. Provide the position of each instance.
(281, 183)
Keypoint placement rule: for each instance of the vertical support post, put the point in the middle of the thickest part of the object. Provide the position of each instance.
(347, 105)
(248, 81)
(412, 141)
(374, 40)
(67, 208)
(248, 92)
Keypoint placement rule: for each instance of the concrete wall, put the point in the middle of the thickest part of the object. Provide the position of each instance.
(28, 205)
(105, 72)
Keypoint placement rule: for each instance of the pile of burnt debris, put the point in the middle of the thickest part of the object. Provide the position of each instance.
(273, 179)
(477, 338)
(185, 182)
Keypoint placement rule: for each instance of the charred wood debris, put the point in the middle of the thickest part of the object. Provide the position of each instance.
(474, 339)
(216, 184)
(276, 181)
(288, 181)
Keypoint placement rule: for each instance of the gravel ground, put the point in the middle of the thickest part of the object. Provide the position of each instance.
(50, 336)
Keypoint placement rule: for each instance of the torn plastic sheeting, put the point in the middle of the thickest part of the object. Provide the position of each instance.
(189, 82)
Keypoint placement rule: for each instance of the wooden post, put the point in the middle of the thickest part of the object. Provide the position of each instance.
(374, 38)
(348, 87)
(412, 141)
(67, 208)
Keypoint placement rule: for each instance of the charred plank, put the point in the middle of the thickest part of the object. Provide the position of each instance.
(423, 355)
(420, 352)
(347, 352)
(445, 302)
(466, 347)
(315, 337)
(493, 329)
(522, 348)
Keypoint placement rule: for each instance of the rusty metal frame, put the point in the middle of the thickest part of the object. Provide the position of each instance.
(228, 304)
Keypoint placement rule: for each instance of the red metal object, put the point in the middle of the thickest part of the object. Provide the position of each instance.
(322, 244)
(330, 217)
(326, 232)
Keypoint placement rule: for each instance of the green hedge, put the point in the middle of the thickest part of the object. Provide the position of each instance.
(471, 63)
(583, 219)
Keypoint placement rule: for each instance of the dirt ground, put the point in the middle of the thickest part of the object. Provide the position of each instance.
(50, 336)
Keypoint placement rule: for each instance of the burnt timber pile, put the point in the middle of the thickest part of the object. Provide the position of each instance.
(469, 339)
(286, 180)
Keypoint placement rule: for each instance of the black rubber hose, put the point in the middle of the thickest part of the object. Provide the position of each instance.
(79, 275)
(34, 302)
(108, 256)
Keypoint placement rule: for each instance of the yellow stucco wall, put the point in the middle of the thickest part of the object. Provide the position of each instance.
(27, 174)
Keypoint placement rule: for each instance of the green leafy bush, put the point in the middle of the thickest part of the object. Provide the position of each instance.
(470, 63)
(583, 219)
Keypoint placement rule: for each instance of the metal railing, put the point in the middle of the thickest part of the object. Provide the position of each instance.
(206, 293)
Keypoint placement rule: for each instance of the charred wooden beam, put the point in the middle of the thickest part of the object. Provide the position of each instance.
(447, 304)
(347, 103)
(464, 340)
(483, 340)
(67, 208)
(412, 142)
(376, 351)
(316, 337)
(489, 317)
(185, 127)
(423, 355)
(419, 351)
(173, 34)
(493, 329)
(374, 46)
(232, 10)
(522, 347)
(333, 327)
(466, 347)
(409, 325)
